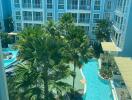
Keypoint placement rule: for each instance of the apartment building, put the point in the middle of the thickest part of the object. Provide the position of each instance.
(122, 23)
(5, 13)
(86, 13)
(37, 12)
(1, 17)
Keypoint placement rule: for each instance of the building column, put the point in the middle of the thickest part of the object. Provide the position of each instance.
(3, 84)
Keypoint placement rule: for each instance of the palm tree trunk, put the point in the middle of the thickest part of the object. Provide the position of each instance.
(74, 75)
(45, 78)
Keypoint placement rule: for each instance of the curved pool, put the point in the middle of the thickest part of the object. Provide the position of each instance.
(96, 88)
(7, 62)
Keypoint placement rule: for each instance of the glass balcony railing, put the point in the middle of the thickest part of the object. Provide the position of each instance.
(26, 5)
(85, 7)
(72, 7)
(86, 20)
(37, 5)
(17, 5)
(27, 18)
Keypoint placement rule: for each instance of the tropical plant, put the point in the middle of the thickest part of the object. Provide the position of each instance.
(78, 48)
(41, 53)
(103, 30)
(5, 40)
(107, 65)
(106, 72)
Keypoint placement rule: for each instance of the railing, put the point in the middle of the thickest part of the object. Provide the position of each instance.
(85, 7)
(37, 19)
(17, 5)
(26, 5)
(27, 18)
(75, 7)
(37, 5)
(86, 20)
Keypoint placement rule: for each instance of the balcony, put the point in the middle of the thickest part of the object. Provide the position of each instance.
(26, 5)
(37, 5)
(85, 7)
(84, 20)
(27, 18)
(72, 7)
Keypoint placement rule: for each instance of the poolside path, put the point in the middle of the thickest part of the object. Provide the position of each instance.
(78, 84)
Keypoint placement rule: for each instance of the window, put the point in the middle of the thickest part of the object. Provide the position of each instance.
(18, 26)
(109, 5)
(60, 15)
(49, 4)
(60, 4)
(85, 4)
(27, 15)
(119, 4)
(96, 18)
(85, 28)
(16, 3)
(97, 5)
(18, 15)
(74, 15)
(27, 25)
(107, 16)
(37, 25)
(37, 16)
(49, 16)
(37, 3)
(84, 18)
(26, 3)
(72, 4)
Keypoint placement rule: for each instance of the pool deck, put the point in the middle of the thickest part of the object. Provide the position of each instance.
(78, 85)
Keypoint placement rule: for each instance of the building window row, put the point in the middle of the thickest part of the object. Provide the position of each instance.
(97, 5)
(28, 3)
(25, 25)
(49, 4)
(60, 4)
(119, 22)
(84, 18)
(18, 15)
(18, 26)
(49, 16)
(96, 18)
(37, 16)
(85, 4)
(17, 3)
(72, 4)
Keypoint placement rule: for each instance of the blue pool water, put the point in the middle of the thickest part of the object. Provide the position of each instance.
(7, 62)
(97, 89)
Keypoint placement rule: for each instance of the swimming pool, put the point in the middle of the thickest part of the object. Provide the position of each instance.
(96, 88)
(7, 62)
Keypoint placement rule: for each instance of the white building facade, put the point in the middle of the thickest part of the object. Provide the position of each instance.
(86, 13)
(122, 23)
(37, 12)
(1, 17)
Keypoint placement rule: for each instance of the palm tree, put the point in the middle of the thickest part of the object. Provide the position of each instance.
(24, 84)
(78, 48)
(42, 49)
(103, 30)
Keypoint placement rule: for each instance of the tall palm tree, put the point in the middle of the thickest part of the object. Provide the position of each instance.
(37, 46)
(78, 48)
